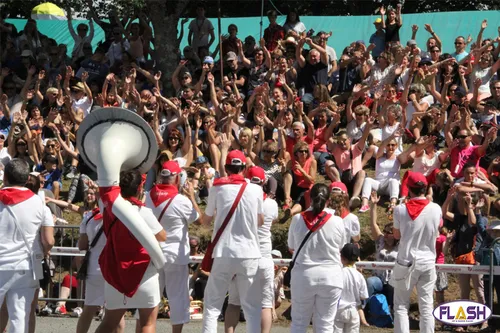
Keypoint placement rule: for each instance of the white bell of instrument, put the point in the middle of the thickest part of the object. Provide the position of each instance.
(111, 140)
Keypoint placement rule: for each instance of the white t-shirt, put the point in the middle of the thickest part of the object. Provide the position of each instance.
(351, 226)
(91, 228)
(355, 289)
(424, 165)
(240, 238)
(201, 32)
(353, 131)
(410, 109)
(387, 168)
(4, 156)
(176, 219)
(323, 246)
(485, 75)
(409, 248)
(31, 214)
(270, 214)
(332, 56)
(298, 27)
(84, 103)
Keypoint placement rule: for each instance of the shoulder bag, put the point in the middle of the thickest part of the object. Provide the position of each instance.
(288, 274)
(82, 272)
(208, 261)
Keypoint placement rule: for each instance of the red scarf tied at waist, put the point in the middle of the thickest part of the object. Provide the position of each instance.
(123, 260)
(311, 219)
(415, 207)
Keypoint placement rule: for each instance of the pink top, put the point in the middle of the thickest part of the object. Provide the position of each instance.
(319, 141)
(439, 249)
(459, 157)
(343, 158)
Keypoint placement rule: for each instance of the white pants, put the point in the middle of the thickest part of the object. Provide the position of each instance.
(314, 296)
(388, 187)
(17, 288)
(346, 321)
(266, 276)
(424, 278)
(247, 281)
(94, 290)
(175, 279)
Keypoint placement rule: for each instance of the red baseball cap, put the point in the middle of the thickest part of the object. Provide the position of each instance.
(416, 179)
(170, 168)
(256, 175)
(338, 186)
(236, 157)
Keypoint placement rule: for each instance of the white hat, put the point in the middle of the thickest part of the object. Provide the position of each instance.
(494, 225)
(276, 253)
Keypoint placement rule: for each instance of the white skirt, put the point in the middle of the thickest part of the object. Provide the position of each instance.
(146, 297)
(94, 290)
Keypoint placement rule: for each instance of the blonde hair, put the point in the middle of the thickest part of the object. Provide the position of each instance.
(52, 90)
(299, 145)
(245, 131)
(362, 109)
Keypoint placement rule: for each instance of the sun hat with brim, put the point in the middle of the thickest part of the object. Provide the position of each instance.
(78, 86)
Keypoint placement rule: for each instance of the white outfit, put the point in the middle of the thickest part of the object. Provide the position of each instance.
(425, 165)
(351, 226)
(94, 284)
(79, 41)
(175, 275)
(354, 291)
(316, 281)
(298, 27)
(201, 32)
(4, 156)
(115, 51)
(84, 103)
(387, 132)
(386, 178)
(423, 255)
(410, 109)
(485, 75)
(17, 282)
(148, 295)
(353, 131)
(266, 264)
(332, 56)
(236, 253)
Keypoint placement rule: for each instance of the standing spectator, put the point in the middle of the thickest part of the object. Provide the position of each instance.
(230, 43)
(27, 229)
(316, 281)
(81, 38)
(332, 55)
(392, 24)
(378, 38)
(416, 225)
(174, 212)
(117, 47)
(274, 32)
(293, 26)
(236, 254)
(200, 29)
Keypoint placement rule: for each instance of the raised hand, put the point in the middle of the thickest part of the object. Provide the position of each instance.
(210, 77)
(414, 28)
(3, 99)
(32, 70)
(5, 71)
(85, 76)
(428, 28)
(484, 24)
(41, 75)
(382, 10)
(262, 43)
(225, 143)
(374, 198)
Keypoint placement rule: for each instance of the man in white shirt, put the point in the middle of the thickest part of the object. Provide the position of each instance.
(416, 226)
(27, 235)
(174, 212)
(236, 254)
(256, 175)
(119, 45)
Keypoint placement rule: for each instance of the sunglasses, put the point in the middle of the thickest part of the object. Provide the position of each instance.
(174, 138)
(458, 43)
(50, 146)
(21, 144)
(435, 51)
(391, 145)
(305, 151)
(207, 122)
(269, 151)
(185, 77)
(462, 136)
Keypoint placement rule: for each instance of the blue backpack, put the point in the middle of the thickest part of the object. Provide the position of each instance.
(379, 313)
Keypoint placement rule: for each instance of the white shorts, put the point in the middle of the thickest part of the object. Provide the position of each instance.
(146, 297)
(175, 279)
(266, 275)
(94, 290)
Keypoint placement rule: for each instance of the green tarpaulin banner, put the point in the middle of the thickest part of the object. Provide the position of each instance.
(346, 29)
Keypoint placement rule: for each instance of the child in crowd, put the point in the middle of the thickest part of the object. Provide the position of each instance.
(442, 242)
(354, 291)
(52, 172)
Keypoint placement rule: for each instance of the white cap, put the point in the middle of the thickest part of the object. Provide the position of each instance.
(276, 253)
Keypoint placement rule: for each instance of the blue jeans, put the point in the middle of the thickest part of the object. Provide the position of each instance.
(376, 286)
(321, 158)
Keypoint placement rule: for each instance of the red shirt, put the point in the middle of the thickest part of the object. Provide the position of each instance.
(290, 143)
(319, 141)
(459, 157)
(272, 35)
(300, 179)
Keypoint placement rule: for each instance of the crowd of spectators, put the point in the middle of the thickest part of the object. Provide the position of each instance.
(302, 111)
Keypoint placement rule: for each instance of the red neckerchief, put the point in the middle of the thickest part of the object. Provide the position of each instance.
(344, 212)
(415, 207)
(265, 197)
(15, 195)
(135, 201)
(161, 192)
(97, 214)
(310, 219)
(232, 179)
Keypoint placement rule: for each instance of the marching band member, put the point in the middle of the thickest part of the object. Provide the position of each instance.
(316, 279)
(131, 278)
(416, 225)
(257, 176)
(27, 235)
(175, 213)
(237, 250)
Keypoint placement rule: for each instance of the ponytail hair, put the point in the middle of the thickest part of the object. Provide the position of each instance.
(320, 194)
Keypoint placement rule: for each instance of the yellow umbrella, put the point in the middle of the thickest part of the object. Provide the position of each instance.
(47, 11)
